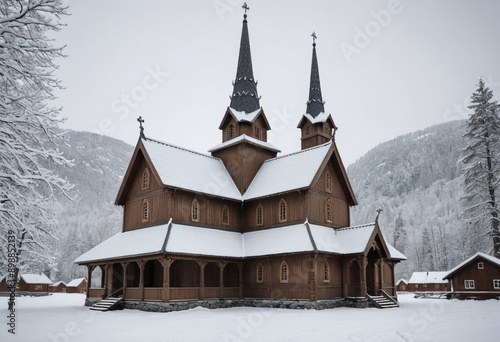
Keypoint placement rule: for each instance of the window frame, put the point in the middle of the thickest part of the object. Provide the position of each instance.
(470, 284)
(259, 215)
(146, 210)
(328, 182)
(328, 210)
(326, 272)
(257, 131)
(497, 282)
(480, 265)
(259, 276)
(145, 179)
(284, 273)
(282, 214)
(225, 215)
(231, 132)
(195, 212)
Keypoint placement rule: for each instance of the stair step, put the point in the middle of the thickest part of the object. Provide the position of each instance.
(98, 309)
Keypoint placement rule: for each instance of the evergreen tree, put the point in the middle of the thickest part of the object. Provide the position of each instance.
(481, 171)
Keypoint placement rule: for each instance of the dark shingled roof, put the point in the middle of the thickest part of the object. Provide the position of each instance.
(315, 105)
(245, 97)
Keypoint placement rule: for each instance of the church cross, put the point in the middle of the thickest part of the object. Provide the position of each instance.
(314, 37)
(141, 121)
(245, 7)
(379, 210)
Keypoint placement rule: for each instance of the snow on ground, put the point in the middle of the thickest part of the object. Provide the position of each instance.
(64, 318)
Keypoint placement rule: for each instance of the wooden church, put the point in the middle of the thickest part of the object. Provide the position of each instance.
(242, 222)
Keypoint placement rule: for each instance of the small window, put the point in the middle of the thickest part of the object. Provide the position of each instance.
(145, 179)
(230, 133)
(145, 210)
(282, 211)
(260, 220)
(416, 286)
(284, 273)
(328, 182)
(225, 215)
(328, 210)
(469, 284)
(496, 284)
(260, 273)
(257, 131)
(326, 273)
(38, 287)
(194, 211)
(480, 265)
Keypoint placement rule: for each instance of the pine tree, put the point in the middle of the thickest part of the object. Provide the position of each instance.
(28, 126)
(481, 171)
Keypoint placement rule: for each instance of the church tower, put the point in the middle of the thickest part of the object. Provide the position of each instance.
(244, 127)
(317, 127)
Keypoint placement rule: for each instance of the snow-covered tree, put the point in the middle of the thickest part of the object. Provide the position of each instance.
(28, 124)
(482, 171)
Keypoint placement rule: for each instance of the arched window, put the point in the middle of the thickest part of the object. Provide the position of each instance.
(260, 273)
(259, 212)
(145, 210)
(328, 210)
(282, 211)
(328, 182)
(225, 215)
(145, 179)
(256, 132)
(230, 132)
(284, 273)
(194, 211)
(326, 273)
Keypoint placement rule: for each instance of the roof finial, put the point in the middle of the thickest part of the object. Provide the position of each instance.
(246, 8)
(379, 210)
(141, 121)
(314, 38)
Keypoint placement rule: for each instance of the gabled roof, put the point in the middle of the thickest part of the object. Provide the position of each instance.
(478, 255)
(58, 283)
(402, 281)
(36, 279)
(244, 117)
(247, 139)
(176, 238)
(320, 118)
(76, 282)
(427, 278)
(287, 173)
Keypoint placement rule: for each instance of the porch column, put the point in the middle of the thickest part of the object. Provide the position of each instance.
(312, 279)
(240, 268)
(141, 279)
(221, 279)
(124, 265)
(201, 293)
(345, 280)
(166, 278)
(381, 273)
(363, 263)
(108, 278)
(89, 277)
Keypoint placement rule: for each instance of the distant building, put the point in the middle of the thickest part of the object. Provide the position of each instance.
(402, 285)
(77, 286)
(476, 277)
(59, 287)
(428, 282)
(3, 283)
(34, 283)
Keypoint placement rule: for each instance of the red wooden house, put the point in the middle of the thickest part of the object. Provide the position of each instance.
(242, 222)
(59, 287)
(402, 285)
(476, 277)
(3, 283)
(34, 283)
(428, 282)
(77, 286)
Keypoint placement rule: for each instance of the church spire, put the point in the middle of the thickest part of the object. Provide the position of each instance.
(245, 97)
(315, 105)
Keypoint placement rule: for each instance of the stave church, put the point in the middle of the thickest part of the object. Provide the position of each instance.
(242, 223)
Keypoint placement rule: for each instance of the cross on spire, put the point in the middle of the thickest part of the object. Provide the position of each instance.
(314, 37)
(379, 210)
(246, 8)
(141, 121)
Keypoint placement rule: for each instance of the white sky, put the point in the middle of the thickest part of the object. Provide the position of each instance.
(418, 67)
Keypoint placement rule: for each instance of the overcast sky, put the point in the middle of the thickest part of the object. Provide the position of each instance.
(387, 67)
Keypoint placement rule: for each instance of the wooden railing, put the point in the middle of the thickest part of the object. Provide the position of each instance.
(96, 292)
(178, 293)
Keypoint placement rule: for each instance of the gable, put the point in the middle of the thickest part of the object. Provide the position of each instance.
(243, 117)
(471, 263)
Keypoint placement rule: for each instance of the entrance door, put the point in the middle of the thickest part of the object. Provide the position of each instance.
(117, 282)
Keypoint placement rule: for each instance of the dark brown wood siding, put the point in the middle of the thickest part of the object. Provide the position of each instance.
(483, 278)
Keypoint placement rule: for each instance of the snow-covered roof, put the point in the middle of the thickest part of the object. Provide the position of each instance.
(320, 118)
(185, 169)
(59, 283)
(247, 139)
(478, 254)
(243, 116)
(75, 282)
(183, 239)
(144, 241)
(286, 173)
(428, 278)
(36, 279)
(402, 280)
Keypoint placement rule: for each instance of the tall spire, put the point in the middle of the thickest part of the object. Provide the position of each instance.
(315, 105)
(245, 97)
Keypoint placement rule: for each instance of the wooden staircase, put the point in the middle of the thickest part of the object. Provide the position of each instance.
(107, 304)
(384, 301)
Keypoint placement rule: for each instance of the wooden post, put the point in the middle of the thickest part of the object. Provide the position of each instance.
(141, 279)
(201, 292)
(345, 277)
(124, 265)
(166, 262)
(381, 273)
(362, 269)
(221, 279)
(89, 277)
(312, 279)
(240, 267)
(107, 279)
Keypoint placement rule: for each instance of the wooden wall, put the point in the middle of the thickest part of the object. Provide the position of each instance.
(33, 287)
(483, 278)
(245, 128)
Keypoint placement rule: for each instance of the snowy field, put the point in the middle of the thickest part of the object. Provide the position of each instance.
(64, 318)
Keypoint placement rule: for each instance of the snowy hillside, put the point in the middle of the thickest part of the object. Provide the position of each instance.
(416, 180)
(99, 165)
